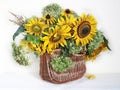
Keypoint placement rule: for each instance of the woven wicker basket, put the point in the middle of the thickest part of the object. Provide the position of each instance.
(48, 74)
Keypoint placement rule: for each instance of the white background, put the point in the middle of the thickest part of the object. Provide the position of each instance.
(106, 67)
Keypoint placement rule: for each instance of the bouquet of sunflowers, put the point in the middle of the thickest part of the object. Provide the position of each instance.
(63, 40)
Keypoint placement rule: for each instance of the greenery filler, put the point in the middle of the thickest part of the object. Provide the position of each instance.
(61, 63)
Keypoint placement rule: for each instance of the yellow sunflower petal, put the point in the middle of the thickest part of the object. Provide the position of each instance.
(64, 42)
(66, 28)
(23, 43)
(90, 76)
(45, 33)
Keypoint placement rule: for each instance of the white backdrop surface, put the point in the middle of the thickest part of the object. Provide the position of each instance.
(107, 65)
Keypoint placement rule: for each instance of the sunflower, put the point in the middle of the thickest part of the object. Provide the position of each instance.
(36, 48)
(96, 52)
(31, 46)
(55, 37)
(39, 49)
(85, 29)
(67, 12)
(67, 21)
(49, 19)
(34, 26)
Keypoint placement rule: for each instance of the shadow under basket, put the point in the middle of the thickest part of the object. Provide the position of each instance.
(48, 74)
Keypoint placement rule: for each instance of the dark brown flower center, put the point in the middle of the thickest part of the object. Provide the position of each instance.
(67, 11)
(47, 16)
(83, 29)
(55, 38)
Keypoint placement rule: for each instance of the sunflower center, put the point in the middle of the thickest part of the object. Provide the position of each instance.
(67, 11)
(47, 16)
(55, 38)
(83, 29)
(36, 28)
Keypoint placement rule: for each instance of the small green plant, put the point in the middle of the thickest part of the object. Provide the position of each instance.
(61, 63)
(19, 55)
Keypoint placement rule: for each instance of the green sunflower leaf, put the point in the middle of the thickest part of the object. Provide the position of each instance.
(33, 39)
(106, 43)
(19, 30)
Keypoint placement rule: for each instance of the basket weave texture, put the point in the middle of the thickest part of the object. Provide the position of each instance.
(73, 73)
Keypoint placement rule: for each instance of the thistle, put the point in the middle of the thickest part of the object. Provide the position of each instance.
(52, 9)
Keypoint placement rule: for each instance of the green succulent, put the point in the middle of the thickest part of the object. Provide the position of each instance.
(19, 55)
(52, 9)
(61, 63)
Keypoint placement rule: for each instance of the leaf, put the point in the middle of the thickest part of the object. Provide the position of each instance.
(106, 43)
(30, 38)
(36, 54)
(33, 39)
(19, 30)
(89, 52)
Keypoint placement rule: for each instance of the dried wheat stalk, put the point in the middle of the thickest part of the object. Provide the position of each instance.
(19, 19)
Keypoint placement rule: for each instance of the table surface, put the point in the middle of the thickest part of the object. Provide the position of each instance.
(32, 81)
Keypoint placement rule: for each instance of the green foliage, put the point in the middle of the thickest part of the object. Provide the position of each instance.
(52, 9)
(106, 43)
(19, 55)
(61, 63)
(19, 30)
(33, 39)
(65, 50)
(95, 43)
(71, 48)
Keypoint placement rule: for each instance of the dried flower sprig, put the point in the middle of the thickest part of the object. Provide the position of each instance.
(19, 19)
(19, 55)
